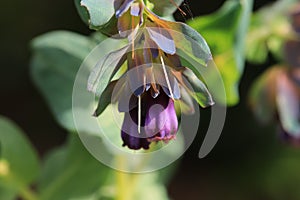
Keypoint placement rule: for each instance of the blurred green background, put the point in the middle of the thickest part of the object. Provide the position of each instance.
(248, 162)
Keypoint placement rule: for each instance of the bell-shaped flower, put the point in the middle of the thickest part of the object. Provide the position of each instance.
(153, 78)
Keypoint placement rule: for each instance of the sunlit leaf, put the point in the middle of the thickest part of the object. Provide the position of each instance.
(199, 91)
(95, 13)
(192, 44)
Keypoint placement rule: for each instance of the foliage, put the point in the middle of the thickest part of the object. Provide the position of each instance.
(225, 32)
(71, 172)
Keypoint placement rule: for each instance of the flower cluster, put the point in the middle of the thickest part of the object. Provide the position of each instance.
(276, 95)
(155, 79)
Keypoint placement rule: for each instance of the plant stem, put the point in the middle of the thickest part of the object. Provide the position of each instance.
(123, 184)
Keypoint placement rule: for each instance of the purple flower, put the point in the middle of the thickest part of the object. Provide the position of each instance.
(155, 79)
(158, 121)
(161, 122)
(129, 132)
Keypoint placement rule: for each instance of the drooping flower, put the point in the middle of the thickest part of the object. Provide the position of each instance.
(155, 79)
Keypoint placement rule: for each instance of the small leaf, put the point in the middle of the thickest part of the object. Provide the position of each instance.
(95, 13)
(105, 98)
(200, 92)
(19, 165)
(105, 69)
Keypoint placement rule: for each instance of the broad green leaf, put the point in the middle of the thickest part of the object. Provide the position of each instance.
(268, 30)
(165, 7)
(200, 93)
(190, 43)
(71, 172)
(56, 59)
(225, 32)
(19, 165)
(95, 13)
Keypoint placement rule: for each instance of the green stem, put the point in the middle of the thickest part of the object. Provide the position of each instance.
(122, 181)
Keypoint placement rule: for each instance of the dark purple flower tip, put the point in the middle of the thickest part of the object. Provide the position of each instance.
(134, 143)
(161, 122)
(129, 133)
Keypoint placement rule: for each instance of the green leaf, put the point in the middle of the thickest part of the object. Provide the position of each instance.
(165, 7)
(95, 13)
(19, 165)
(192, 44)
(200, 93)
(105, 70)
(225, 32)
(82, 11)
(71, 172)
(56, 59)
(105, 98)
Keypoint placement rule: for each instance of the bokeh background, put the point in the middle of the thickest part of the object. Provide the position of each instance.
(249, 161)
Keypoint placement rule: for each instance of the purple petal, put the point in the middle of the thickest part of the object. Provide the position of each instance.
(129, 133)
(161, 120)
